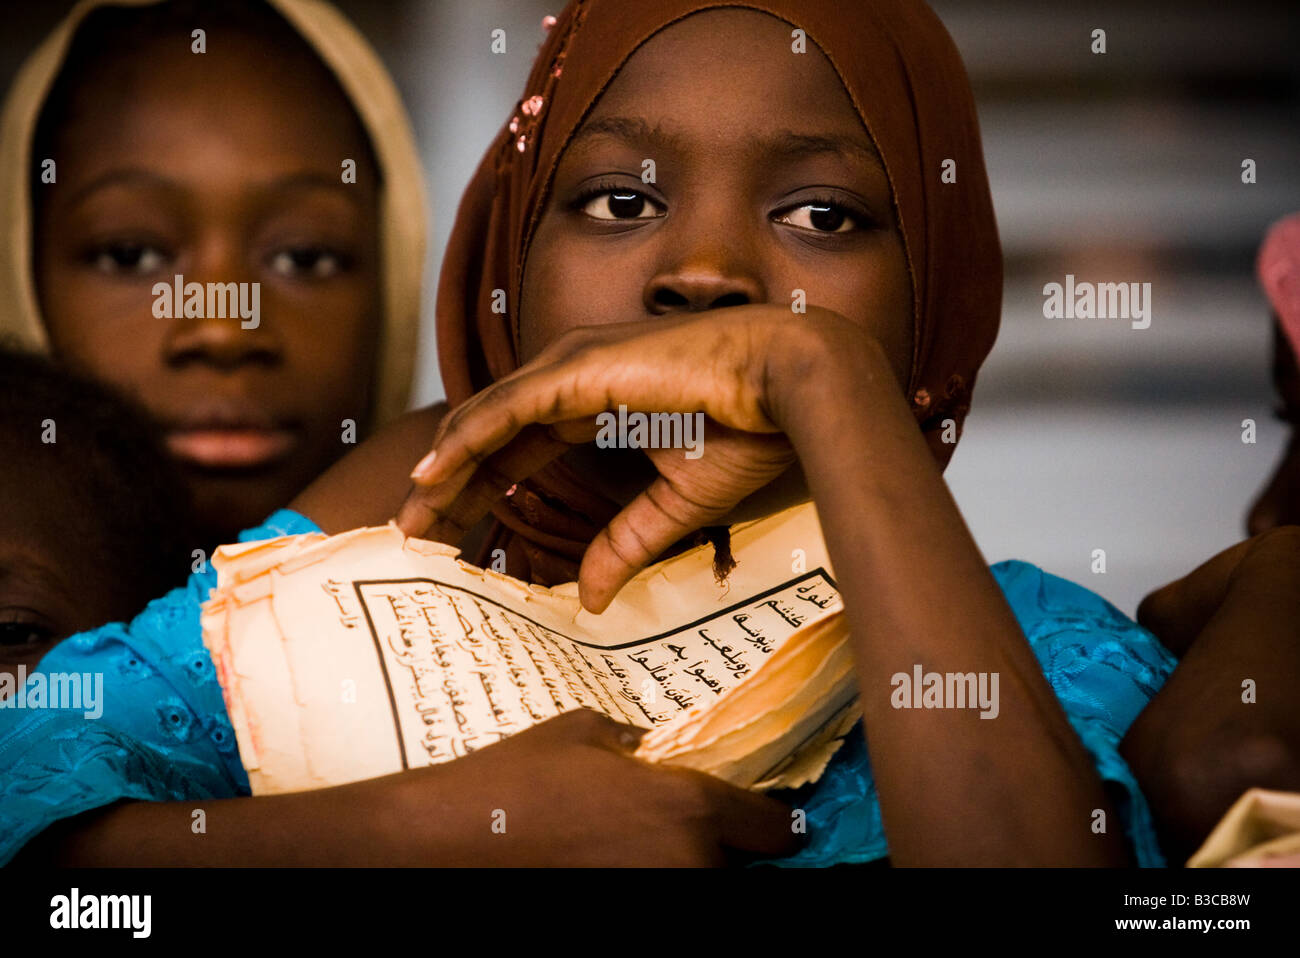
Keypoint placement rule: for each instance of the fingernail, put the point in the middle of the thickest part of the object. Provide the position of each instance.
(424, 466)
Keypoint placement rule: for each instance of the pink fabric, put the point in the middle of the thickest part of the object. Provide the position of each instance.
(1279, 273)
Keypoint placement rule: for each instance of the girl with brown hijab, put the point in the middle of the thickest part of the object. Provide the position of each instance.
(885, 55)
(776, 171)
(674, 177)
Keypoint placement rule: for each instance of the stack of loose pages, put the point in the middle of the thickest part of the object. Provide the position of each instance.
(357, 655)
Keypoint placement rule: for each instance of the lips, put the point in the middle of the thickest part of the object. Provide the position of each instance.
(230, 435)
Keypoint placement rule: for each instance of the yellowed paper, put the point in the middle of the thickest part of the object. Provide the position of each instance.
(1261, 830)
(366, 653)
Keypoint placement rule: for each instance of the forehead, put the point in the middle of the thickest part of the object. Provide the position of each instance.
(729, 74)
(43, 521)
(56, 558)
(171, 109)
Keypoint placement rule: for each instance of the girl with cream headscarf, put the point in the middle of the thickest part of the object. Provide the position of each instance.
(269, 151)
(256, 144)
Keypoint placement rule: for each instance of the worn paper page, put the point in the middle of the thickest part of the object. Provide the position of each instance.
(357, 655)
(1261, 829)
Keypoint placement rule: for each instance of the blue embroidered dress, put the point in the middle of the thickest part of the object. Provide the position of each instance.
(164, 734)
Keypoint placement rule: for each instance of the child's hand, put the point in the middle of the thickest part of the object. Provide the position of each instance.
(568, 792)
(565, 792)
(738, 366)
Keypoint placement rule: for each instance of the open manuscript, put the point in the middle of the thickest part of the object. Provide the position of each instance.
(357, 655)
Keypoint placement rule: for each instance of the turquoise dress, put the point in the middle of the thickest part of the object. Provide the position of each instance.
(164, 734)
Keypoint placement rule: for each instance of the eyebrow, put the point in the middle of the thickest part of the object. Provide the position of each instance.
(135, 176)
(628, 128)
(29, 568)
(309, 180)
(122, 177)
(794, 145)
(787, 144)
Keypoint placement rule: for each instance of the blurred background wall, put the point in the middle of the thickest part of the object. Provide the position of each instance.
(1115, 167)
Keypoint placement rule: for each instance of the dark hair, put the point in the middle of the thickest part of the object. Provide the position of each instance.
(125, 490)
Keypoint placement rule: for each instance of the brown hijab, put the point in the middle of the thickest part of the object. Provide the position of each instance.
(907, 82)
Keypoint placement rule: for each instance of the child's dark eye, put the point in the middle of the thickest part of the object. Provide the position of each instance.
(315, 262)
(820, 217)
(127, 257)
(19, 638)
(621, 205)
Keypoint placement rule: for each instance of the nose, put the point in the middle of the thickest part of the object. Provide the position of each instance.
(218, 336)
(707, 276)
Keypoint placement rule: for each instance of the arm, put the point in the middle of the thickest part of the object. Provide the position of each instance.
(1028, 787)
(568, 791)
(366, 487)
(310, 828)
(571, 792)
(952, 786)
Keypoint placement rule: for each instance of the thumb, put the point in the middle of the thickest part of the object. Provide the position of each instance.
(590, 727)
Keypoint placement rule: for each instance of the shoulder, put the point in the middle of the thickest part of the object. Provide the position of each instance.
(154, 679)
(367, 486)
(418, 425)
(1089, 650)
(155, 682)
(1036, 595)
(1104, 669)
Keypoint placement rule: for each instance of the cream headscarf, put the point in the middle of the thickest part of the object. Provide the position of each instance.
(374, 97)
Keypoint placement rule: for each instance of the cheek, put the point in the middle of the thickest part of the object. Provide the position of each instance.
(329, 347)
(330, 331)
(876, 294)
(103, 328)
(571, 282)
(549, 299)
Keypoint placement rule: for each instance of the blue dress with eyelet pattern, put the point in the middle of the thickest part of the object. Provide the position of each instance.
(164, 734)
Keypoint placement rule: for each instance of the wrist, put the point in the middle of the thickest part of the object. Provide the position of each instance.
(829, 370)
